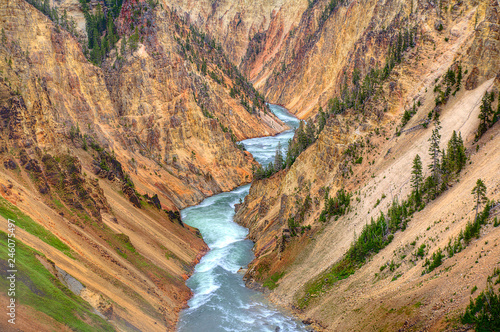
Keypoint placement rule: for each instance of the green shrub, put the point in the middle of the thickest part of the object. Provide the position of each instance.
(421, 251)
(483, 312)
(435, 261)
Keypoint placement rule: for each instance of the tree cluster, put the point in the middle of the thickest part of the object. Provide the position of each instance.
(355, 94)
(380, 232)
(332, 5)
(452, 81)
(101, 30)
(472, 230)
(52, 13)
(444, 167)
(202, 50)
(335, 206)
(484, 311)
(487, 116)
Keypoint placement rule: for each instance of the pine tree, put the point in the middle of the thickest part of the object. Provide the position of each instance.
(134, 40)
(435, 152)
(446, 166)
(485, 113)
(278, 158)
(455, 154)
(461, 157)
(310, 133)
(301, 137)
(417, 177)
(105, 45)
(123, 47)
(479, 192)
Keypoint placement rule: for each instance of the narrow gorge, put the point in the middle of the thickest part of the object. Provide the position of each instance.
(149, 180)
(220, 299)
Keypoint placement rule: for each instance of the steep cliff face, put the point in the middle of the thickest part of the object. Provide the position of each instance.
(332, 38)
(301, 55)
(368, 151)
(97, 161)
(78, 222)
(234, 24)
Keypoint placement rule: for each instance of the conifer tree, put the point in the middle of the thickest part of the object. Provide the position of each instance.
(435, 152)
(416, 178)
(302, 137)
(485, 114)
(479, 192)
(310, 133)
(134, 40)
(278, 158)
(455, 154)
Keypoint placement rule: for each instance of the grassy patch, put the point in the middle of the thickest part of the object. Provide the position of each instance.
(10, 211)
(339, 271)
(58, 203)
(125, 241)
(39, 289)
(272, 281)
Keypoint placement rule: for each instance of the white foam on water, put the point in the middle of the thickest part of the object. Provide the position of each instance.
(203, 294)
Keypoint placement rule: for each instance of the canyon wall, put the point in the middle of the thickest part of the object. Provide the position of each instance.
(98, 160)
(100, 152)
(367, 151)
(236, 23)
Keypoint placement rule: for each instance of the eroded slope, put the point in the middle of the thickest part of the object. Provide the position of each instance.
(368, 153)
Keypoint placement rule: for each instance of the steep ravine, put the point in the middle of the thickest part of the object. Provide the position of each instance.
(220, 299)
(100, 153)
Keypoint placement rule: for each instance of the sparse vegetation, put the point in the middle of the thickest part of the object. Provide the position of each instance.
(472, 229)
(272, 281)
(378, 234)
(483, 313)
(53, 13)
(335, 206)
(41, 290)
(10, 211)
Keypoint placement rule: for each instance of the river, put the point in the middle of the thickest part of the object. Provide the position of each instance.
(220, 301)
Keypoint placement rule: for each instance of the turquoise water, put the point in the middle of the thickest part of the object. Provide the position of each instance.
(220, 301)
